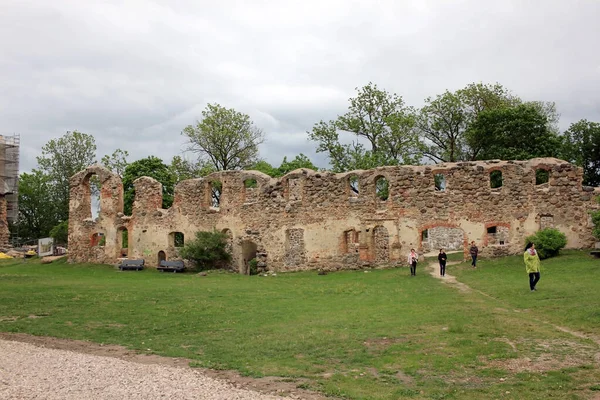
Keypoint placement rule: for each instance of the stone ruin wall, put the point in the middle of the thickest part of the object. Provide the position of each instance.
(312, 220)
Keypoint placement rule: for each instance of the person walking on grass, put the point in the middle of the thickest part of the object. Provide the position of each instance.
(442, 259)
(413, 257)
(474, 251)
(532, 265)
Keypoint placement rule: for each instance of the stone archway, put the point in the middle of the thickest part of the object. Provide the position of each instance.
(249, 251)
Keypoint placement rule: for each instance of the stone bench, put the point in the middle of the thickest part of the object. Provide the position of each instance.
(595, 253)
(132, 265)
(171, 266)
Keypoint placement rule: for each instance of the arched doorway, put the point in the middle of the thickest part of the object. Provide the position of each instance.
(161, 257)
(248, 253)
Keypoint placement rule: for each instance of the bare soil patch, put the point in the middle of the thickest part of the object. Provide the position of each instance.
(269, 385)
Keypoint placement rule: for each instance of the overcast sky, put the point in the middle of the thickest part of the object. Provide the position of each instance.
(134, 73)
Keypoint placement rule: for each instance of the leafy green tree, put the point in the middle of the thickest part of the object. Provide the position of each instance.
(512, 133)
(152, 167)
(265, 168)
(207, 250)
(582, 147)
(37, 210)
(444, 120)
(300, 161)
(225, 138)
(117, 162)
(380, 119)
(184, 169)
(62, 158)
(60, 233)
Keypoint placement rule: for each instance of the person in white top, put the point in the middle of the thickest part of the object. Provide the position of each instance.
(413, 257)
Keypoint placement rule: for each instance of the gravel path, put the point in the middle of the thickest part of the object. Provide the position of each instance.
(31, 372)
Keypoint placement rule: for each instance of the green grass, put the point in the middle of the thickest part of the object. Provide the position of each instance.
(375, 335)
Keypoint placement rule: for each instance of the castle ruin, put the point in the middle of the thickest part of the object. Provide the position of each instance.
(321, 220)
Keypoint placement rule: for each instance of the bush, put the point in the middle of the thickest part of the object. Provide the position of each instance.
(253, 267)
(548, 242)
(60, 233)
(207, 250)
(596, 221)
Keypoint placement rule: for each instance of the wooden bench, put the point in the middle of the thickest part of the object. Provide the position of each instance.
(171, 266)
(131, 265)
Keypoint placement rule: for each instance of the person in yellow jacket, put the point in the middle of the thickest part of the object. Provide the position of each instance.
(532, 265)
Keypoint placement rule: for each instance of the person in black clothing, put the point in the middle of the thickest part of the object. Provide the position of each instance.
(474, 251)
(442, 259)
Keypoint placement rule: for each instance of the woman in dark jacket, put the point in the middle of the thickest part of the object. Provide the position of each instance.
(442, 259)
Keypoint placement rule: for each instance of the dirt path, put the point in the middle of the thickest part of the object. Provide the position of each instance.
(434, 270)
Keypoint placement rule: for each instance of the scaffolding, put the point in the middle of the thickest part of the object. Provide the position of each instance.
(9, 174)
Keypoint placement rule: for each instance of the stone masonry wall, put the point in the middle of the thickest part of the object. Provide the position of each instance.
(310, 220)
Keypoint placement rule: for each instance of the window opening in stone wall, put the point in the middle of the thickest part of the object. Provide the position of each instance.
(215, 193)
(440, 182)
(497, 235)
(496, 179)
(176, 239)
(98, 240)
(542, 176)
(353, 184)
(424, 235)
(250, 183)
(382, 188)
(94, 190)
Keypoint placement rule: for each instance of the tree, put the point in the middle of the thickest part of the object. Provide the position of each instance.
(117, 162)
(377, 117)
(582, 147)
(444, 120)
(265, 168)
(62, 158)
(37, 211)
(514, 133)
(152, 167)
(60, 233)
(206, 250)
(300, 161)
(225, 138)
(184, 169)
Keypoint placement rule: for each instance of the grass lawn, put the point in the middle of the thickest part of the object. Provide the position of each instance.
(379, 334)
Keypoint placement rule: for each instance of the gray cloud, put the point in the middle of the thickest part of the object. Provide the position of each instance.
(133, 74)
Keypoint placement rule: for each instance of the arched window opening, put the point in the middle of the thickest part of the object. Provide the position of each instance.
(542, 176)
(98, 240)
